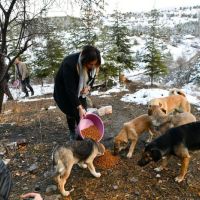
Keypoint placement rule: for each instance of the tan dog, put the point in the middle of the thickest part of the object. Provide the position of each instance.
(123, 79)
(172, 103)
(131, 131)
(163, 121)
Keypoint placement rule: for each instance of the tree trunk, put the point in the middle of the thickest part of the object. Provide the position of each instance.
(7, 91)
(106, 81)
(151, 81)
(1, 97)
(4, 89)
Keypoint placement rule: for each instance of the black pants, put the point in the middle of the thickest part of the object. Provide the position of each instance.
(26, 83)
(5, 181)
(73, 121)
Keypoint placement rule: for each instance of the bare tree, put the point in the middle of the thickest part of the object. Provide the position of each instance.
(20, 22)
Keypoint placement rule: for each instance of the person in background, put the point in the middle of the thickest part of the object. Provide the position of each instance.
(73, 83)
(23, 75)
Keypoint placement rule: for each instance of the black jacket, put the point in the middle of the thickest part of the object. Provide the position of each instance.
(66, 85)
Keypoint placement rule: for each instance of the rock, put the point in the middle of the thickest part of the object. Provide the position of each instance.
(37, 187)
(105, 110)
(158, 176)
(33, 176)
(54, 197)
(133, 180)
(2, 150)
(33, 168)
(6, 161)
(24, 188)
(137, 193)
(115, 187)
(50, 173)
(12, 145)
(22, 141)
(51, 188)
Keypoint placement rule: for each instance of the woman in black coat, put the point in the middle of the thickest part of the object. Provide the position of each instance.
(73, 82)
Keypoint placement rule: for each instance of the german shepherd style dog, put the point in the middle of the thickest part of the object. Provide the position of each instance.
(162, 121)
(176, 141)
(81, 152)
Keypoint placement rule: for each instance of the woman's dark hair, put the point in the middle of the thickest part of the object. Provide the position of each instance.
(90, 53)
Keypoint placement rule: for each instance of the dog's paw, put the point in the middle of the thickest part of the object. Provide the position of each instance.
(65, 193)
(97, 175)
(179, 179)
(82, 165)
(129, 155)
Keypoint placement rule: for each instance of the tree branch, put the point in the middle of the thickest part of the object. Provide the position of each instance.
(2, 8)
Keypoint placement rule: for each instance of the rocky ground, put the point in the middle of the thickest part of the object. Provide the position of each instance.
(44, 128)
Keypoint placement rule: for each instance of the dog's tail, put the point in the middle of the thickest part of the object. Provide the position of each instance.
(176, 91)
(58, 165)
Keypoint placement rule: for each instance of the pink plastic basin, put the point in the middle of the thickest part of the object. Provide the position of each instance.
(89, 120)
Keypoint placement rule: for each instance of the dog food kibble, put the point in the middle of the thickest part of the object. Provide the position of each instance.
(91, 132)
(106, 161)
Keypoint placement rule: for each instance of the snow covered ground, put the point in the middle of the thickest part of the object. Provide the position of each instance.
(108, 93)
(38, 90)
(143, 96)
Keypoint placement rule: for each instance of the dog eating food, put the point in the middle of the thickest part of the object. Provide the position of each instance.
(106, 161)
(91, 132)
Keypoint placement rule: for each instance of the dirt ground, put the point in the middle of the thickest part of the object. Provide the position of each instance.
(44, 129)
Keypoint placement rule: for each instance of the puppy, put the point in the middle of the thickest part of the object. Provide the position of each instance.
(176, 141)
(131, 131)
(75, 152)
(171, 103)
(162, 122)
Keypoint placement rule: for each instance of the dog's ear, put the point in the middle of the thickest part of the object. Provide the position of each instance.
(160, 104)
(163, 110)
(156, 154)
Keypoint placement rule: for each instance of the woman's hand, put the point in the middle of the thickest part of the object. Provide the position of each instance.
(35, 196)
(82, 111)
(85, 90)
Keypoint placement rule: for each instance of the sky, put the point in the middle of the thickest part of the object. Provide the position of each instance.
(65, 7)
(146, 5)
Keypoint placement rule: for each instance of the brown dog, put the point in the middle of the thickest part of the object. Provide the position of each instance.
(131, 131)
(123, 79)
(172, 103)
(163, 121)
